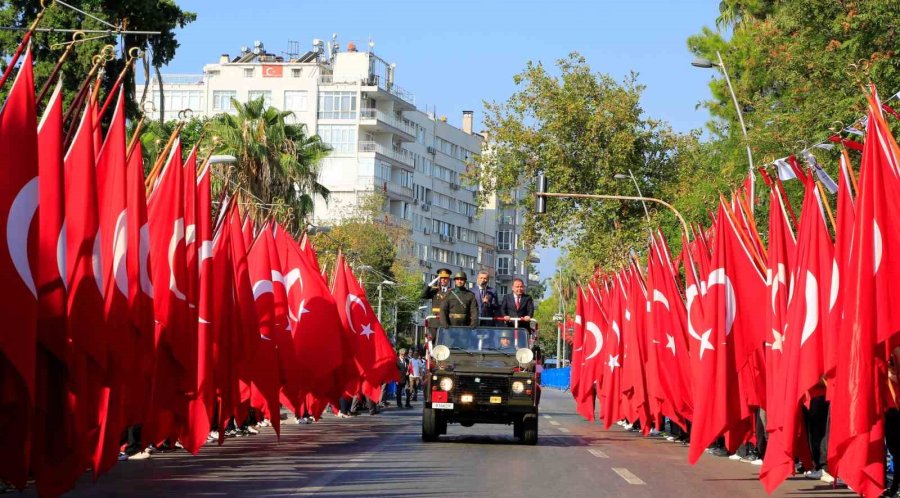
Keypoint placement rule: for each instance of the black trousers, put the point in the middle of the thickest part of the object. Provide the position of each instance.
(892, 440)
(817, 427)
(401, 388)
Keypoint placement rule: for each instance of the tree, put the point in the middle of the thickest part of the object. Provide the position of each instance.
(138, 15)
(277, 163)
(580, 128)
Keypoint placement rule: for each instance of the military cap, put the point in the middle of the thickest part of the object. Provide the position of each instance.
(460, 274)
(506, 334)
(443, 272)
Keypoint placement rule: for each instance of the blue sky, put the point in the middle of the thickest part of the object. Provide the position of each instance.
(454, 55)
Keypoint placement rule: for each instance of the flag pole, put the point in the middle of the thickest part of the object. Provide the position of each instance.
(59, 62)
(133, 53)
(24, 42)
(825, 203)
(161, 159)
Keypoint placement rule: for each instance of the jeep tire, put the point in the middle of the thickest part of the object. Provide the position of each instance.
(529, 426)
(430, 430)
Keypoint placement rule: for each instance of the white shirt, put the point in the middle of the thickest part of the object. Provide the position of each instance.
(417, 366)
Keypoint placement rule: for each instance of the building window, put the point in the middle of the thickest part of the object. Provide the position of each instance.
(383, 171)
(248, 72)
(179, 100)
(503, 266)
(504, 240)
(222, 100)
(337, 105)
(341, 138)
(265, 94)
(503, 290)
(296, 72)
(295, 100)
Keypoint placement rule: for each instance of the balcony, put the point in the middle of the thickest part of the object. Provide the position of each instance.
(382, 121)
(396, 190)
(505, 220)
(395, 221)
(401, 157)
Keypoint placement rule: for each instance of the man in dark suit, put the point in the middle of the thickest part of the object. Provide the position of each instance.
(488, 304)
(518, 305)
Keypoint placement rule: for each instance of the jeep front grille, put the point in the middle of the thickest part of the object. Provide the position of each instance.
(484, 388)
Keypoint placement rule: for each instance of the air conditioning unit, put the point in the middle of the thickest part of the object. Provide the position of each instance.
(426, 207)
(423, 262)
(431, 150)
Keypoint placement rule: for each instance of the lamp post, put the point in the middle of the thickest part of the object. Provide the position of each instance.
(380, 297)
(706, 64)
(620, 176)
(222, 159)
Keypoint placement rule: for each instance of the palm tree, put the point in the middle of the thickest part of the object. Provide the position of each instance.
(277, 162)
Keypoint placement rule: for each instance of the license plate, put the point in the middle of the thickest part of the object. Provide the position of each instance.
(496, 399)
(442, 406)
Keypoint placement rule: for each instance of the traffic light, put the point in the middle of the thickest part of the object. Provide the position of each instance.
(540, 202)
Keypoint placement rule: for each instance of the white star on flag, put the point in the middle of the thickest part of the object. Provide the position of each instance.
(613, 362)
(670, 343)
(301, 311)
(779, 340)
(367, 330)
(704, 342)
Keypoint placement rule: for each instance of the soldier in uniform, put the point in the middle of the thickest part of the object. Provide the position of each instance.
(437, 290)
(460, 306)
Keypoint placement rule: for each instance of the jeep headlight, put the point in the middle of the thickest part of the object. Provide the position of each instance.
(524, 355)
(518, 387)
(440, 353)
(446, 384)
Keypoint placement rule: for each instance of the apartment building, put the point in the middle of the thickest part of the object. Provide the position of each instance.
(381, 143)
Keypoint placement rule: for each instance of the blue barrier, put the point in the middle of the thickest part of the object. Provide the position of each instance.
(556, 377)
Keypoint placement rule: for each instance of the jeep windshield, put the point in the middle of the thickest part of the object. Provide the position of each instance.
(503, 339)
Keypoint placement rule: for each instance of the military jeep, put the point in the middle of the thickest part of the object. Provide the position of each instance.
(481, 375)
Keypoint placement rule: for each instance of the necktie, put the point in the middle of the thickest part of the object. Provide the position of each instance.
(517, 302)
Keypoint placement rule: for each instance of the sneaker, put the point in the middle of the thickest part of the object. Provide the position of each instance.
(213, 436)
(179, 445)
(150, 449)
(758, 461)
(813, 474)
(751, 457)
(123, 456)
(627, 426)
(670, 438)
(252, 431)
(734, 456)
(264, 423)
(826, 477)
(140, 456)
(620, 422)
(231, 433)
(719, 452)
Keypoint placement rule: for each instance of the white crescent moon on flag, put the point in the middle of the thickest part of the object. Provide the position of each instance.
(143, 263)
(261, 287)
(812, 307)
(61, 261)
(97, 263)
(120, 249)
(691, 294)
(659, 297)
(291, 279)
(615, 327)
(578, 319)
(877, 246)
(835, 282)
(598, 339)
(18, 223)
(177, 236)
(206, 250)
(351, 300)
(781, 279)
(190, 234)
(718, 277)
(270, 71)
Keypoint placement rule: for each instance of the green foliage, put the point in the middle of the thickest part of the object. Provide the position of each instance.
(277, 163)
(140, 15)
(581, 128)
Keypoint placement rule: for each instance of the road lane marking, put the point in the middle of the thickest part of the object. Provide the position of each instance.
(598, 453)
(554, 422)
(563, 429)
(548, 416)
(628, 476)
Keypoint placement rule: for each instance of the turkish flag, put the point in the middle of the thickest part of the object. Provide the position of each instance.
(668, 336)
(310, 251)
(18, 207)
(316, 324)
(634, 383)
(55, 460)
(168, 257)
(272, 70)
(85, 307)
(246, 319)
(869, 314)
(113, 216)
(581, 383)
(140, 286)
(610, 406)
(372, 349)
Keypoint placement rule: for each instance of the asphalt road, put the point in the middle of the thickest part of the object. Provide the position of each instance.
(383, 455)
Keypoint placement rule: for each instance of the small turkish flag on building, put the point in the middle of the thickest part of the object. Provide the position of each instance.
(272, 71)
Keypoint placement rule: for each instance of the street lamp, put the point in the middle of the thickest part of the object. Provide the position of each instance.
(380, 287)
(620, 176)
(222, 159)
(707, 64)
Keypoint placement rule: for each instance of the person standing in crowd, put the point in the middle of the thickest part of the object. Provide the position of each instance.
(518, 305)
(460, 307)
(416, 366)
(403, 370)
(488, 304)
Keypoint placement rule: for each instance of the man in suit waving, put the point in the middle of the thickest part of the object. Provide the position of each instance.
(518, 305)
